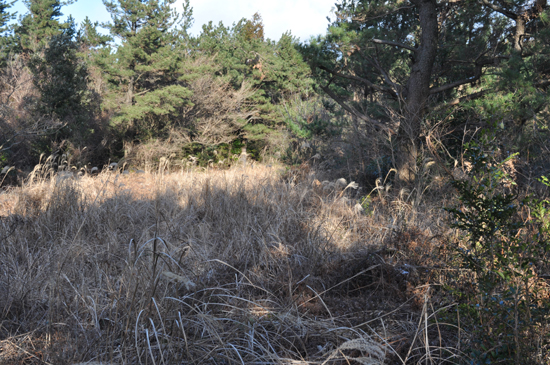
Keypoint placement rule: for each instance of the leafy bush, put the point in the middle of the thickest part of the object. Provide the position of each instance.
(506, 245)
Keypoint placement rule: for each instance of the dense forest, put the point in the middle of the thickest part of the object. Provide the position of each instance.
(388, 81)
(375, 194)
(68, 87)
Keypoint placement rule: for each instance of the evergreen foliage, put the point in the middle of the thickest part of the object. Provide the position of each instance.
(143, 72)
(5, 16)
(89, 37)
(6, 36)
(61, 76)
(40, 24)
(390, 65)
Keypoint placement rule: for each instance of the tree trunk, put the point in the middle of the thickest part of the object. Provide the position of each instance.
(519, 33)
(417, 91)
(130, 92)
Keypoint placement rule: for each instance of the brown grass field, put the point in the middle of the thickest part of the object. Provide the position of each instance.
(240, 266)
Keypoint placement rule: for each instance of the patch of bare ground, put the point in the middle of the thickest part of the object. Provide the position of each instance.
(239, 266)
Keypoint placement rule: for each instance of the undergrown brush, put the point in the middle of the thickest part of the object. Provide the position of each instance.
(229, 266)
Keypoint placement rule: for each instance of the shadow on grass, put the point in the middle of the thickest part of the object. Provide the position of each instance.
(225, 267)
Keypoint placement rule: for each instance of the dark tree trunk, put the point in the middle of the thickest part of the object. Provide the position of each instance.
(417, 91)
(519, 33)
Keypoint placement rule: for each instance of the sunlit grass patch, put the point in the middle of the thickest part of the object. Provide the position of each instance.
(244, 265)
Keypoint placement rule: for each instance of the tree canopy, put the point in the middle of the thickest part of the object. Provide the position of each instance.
(385, 69)
(41, 23)
(389, 64)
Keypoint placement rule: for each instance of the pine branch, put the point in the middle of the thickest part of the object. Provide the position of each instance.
(499, 9)
(350, 109)
(462, 99)
(396, 44)
(360, 79)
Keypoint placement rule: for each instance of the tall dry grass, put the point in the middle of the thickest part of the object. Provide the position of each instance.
(242, 266)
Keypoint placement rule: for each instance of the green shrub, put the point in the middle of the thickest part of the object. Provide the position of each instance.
(504, 248)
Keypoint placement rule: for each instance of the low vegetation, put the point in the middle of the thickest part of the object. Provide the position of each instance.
(252, 265)
(257, 264)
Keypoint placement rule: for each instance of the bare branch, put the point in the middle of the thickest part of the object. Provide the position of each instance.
(142, 93)
(364, 19)
(18, 125)
(452, 85)
(462, 99)
(218, 111)
(40, 128)
(374, 62)
(478, 72)
(355, 112)
(396, 44)
(499, 9)
(360, 79)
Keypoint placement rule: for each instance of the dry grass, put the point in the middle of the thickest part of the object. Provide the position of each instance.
(243, 266)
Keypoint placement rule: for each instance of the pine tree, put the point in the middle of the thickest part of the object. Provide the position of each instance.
(60, 75)
(143, 72)
(254, 28)
(275, 69)
(89, 37)
(40, 24)
(6, 38)
(381, 56)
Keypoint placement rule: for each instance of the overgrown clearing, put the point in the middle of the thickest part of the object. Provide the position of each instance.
(377, 194)
(253, 265)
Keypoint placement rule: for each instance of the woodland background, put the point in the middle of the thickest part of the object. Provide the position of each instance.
(375, 194)
(386, 83)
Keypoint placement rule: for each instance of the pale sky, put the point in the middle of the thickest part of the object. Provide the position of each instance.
(304, 18)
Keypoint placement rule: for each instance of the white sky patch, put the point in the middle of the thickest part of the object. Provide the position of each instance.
(304, 18)
(93, 9)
